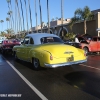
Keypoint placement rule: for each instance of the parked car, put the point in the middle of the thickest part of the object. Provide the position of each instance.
(7, 45)
(48, 50)
(75, 44)
(90, 45)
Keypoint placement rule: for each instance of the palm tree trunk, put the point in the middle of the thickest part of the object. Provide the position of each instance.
(62, 17)
(20, 25)
(40, 15)
(85, 28)
(2, 26)
(30, 13)
(26, 15)
(16, 27)
(36, 17)
(9, 16)
(12, 16)
(7, 24)
(22, 15)
(48, 17)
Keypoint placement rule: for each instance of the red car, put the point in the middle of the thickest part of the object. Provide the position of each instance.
(7, 45)
(90, 44)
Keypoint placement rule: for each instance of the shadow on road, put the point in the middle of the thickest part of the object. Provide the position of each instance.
(87, 81)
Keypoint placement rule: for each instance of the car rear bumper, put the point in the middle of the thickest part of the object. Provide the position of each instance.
(64, 64)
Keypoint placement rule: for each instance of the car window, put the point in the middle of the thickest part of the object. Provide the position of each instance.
(94, 39)
(26, 40)
(31, 41)
(98, 38)
(50, 40)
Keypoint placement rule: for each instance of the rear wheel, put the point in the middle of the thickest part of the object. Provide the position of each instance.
(36, 64)
(86, 50)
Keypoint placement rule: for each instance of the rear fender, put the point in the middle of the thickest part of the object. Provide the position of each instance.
(42, 55)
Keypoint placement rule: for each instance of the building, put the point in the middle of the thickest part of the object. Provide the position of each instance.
(93, 26)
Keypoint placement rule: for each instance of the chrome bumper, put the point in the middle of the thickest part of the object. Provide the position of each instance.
(64, 64)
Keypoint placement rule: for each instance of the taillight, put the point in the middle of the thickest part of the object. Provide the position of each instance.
(51, 57)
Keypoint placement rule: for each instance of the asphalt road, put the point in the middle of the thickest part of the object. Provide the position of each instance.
(78, 82)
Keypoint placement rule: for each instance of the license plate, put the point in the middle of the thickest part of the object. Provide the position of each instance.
(69, 59)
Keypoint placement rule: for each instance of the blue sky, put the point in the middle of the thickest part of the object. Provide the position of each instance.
(54, 6)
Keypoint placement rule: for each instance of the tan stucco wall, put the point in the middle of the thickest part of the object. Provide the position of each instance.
(78, 27)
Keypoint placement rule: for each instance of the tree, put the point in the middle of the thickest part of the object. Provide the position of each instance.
(22, 15)
(12, 16)
(20, 24)
(40, 15)
(36, 17)
(9, 13)
(62, 19)
(3, 33)
(30, 13)
(26, 15)
(7, 19)
(52, 19)
(48, 16)
(56, 18)
(82, 15)
(1, 21)
(10, 31)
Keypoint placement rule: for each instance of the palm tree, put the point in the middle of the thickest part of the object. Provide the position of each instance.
(30, 13)
(10, 22)
(9, 13)
(40, 15)
(12, 15)
(8, 1)
(48, 16)
(36, 17)
(1, 21)
(62, 18)
(56, 18)
(26, 15)
(82, 15)
(20, 24)
(16, 18)
(22, 15)
(7, 19)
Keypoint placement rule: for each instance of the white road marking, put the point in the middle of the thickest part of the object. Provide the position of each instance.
(89, 66)
(27, 82)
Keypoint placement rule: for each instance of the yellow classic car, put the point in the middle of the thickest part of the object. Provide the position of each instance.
(48, 50)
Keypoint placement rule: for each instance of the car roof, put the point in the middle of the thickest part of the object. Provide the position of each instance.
(38, 36)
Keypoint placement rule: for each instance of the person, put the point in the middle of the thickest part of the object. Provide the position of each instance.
(76, 38)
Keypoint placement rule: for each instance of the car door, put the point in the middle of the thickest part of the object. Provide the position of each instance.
(28, 49)
(24, 48)
(93, 44)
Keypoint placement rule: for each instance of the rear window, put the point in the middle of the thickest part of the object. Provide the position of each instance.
(50, 40)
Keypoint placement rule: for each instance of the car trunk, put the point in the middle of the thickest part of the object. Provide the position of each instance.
(61, 50)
